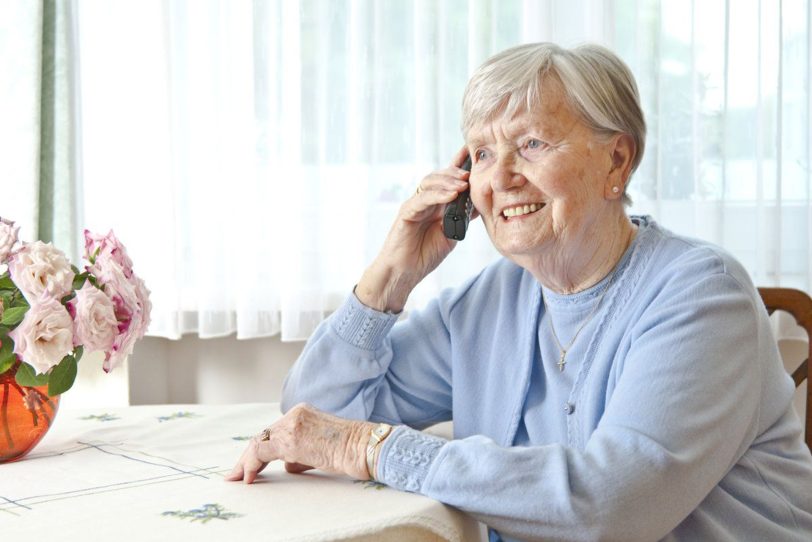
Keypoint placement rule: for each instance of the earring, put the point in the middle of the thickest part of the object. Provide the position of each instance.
(615, 189)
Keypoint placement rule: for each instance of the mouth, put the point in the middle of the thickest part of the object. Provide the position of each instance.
(521, 210)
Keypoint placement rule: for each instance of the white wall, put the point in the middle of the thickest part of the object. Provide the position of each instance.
(209, 371)
(96, 389)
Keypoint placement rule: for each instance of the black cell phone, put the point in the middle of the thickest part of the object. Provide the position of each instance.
(458, 212)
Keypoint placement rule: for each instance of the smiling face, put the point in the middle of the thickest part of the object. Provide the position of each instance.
(542, 182)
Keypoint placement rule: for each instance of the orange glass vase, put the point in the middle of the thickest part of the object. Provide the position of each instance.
(26, 414)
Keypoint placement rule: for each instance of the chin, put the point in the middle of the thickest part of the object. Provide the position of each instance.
(517, 248)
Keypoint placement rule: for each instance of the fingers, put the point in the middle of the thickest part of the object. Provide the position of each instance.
(236, 473)
(250, 464)
(304, 438)
(296, 468)
(250, 473)
(451, 180)
(246, 471)
(460, 157)
(280, 441)
(438, 189)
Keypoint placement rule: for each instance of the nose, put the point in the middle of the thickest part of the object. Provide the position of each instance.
(505, 175)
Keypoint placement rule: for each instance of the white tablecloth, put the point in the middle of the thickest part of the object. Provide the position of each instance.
(156, 473)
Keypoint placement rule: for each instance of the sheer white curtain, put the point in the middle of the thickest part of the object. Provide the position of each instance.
(253, 154)
(725, 86)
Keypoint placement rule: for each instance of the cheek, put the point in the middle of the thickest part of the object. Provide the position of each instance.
(555, 177)
(567, 179)
(481, 193)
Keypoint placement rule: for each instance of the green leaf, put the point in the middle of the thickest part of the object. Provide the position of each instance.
(7, 357)
(74, 269)
(13, 316)
(6, 365)
(62, 376)
(78, 352)
(27, 376)
(79, 281)
(6, 283)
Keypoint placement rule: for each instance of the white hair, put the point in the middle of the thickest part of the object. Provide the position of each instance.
(597, 84)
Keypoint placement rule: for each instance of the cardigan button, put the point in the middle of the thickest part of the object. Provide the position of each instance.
(569, 408)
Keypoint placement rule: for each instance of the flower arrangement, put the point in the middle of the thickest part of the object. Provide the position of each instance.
(51, 312)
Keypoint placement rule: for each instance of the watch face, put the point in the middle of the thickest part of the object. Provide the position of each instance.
(382, 430)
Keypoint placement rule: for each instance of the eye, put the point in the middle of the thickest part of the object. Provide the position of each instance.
(480, 155)
(533, 149)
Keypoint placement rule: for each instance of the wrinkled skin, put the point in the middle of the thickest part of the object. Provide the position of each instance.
(306, 438)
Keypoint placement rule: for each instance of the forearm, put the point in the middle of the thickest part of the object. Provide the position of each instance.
(416, 244)
(385, 288)
(349, 364)
(342, 362)
(545, 492)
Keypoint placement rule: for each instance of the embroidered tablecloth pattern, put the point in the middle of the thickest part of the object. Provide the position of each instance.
(156, 473)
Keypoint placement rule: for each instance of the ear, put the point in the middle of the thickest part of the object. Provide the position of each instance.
(622, 151)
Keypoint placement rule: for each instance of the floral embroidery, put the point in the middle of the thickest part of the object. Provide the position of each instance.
(101, 417)
(205, 514)
(370, 484)
(177, 415)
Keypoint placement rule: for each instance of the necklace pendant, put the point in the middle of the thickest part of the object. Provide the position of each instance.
(562, 361)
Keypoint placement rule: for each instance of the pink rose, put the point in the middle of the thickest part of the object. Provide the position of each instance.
(95, 324)
(45, 335)
(39, 268)
(105, 249)
(112, 267)
(8, 236)
(145, 306)
(130, 299)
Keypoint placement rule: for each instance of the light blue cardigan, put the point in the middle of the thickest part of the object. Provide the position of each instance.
(672, 420)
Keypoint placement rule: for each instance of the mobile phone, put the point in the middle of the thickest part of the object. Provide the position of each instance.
(458, 212)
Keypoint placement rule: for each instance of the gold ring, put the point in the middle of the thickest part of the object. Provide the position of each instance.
(266, 434)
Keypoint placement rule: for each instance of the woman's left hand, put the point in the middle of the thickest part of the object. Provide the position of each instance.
(306, 438)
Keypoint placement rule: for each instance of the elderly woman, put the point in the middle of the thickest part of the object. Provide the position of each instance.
(607, 379)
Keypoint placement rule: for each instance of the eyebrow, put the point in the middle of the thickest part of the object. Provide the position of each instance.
(514, 130)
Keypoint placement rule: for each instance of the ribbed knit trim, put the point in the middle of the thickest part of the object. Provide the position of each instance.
(361, 326)
(406, 457)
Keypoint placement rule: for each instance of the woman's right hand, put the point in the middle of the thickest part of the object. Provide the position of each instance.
(415, 245)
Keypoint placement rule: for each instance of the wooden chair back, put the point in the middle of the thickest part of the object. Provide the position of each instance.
(799, 305)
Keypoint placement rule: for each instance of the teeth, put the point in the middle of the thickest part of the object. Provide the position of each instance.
(520, 210)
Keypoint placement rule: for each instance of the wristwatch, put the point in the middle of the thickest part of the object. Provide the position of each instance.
(376, 436)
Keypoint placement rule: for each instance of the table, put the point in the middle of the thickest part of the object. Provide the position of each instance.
(156, 473)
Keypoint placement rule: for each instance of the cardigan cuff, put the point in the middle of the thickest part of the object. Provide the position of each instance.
(406, 457)
(361, 326)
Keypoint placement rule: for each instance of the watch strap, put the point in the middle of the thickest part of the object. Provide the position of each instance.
(376, 436)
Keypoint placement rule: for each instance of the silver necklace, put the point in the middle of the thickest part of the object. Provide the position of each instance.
(562, 360)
